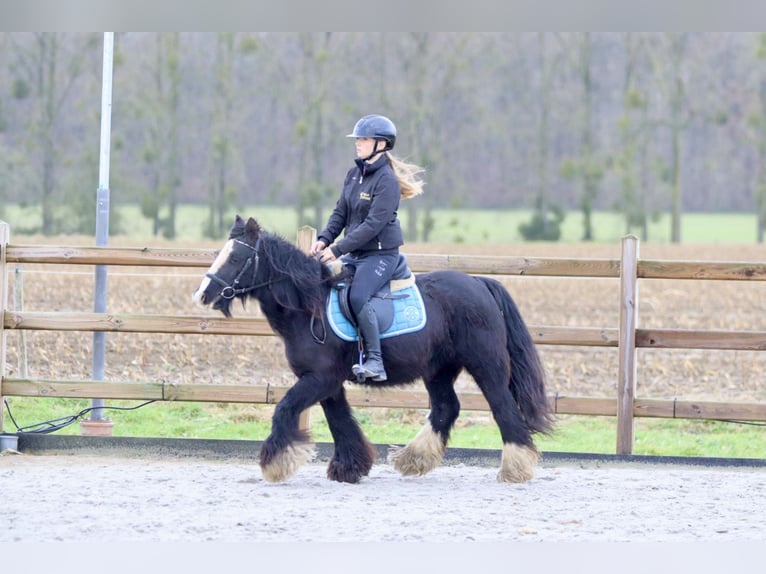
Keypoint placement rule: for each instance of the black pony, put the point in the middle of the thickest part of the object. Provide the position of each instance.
(472, 324)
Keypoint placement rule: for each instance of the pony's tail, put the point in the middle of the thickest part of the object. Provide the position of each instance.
(527, 382)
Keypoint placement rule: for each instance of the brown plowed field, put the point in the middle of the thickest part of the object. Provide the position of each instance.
(574, 371)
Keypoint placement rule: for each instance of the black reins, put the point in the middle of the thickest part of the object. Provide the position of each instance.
(231, 291)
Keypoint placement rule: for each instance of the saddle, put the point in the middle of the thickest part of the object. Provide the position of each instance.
(398, 305)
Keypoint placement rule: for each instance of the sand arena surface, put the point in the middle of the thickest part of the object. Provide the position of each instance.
(97, 498)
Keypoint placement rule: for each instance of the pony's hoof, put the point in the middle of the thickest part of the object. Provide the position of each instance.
(352, 465)
(518, 463)
(341, 473)
(285, 463)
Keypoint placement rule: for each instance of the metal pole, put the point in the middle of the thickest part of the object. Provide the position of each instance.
(102, 217)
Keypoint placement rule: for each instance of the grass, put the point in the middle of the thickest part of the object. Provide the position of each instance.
(579, 434)
(469, 226)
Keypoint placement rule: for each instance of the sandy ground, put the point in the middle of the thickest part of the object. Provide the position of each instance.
(89, 498)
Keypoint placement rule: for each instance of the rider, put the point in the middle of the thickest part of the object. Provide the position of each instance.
(367, 210)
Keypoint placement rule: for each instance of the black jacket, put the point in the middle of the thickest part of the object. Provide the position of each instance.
(367, 210)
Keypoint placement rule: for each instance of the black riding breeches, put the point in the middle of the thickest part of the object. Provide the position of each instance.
(371, 272)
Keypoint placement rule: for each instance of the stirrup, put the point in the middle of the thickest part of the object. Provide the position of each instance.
(363, 373)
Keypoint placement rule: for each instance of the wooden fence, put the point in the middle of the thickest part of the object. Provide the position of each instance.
(625, 406)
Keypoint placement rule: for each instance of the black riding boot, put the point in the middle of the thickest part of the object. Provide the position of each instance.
(372, 368)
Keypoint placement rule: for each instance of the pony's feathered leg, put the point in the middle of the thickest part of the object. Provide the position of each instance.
(425, 452)
(287, 448)
(519, 453)
(354, 455)
(284, 463)
(421, 455)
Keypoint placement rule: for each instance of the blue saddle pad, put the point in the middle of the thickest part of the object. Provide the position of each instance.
(409, 314)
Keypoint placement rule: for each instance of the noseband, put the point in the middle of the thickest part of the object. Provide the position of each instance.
(231, 291)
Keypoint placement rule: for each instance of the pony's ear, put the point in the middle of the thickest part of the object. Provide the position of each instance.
(238, 228)
(252, 227)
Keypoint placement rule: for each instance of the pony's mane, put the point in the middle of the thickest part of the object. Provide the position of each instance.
(297, 280)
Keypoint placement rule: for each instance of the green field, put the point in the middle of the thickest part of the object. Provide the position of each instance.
(251, 422)
(469, 226)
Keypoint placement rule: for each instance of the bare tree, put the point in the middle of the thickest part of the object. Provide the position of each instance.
(689, 99)
(158, 112)
(757, 123)
(678, 120)
(313, 84)
(631, 160)
(173, 167)
(220, 144)
(431, 70)
(230, 47)
(46, 69)
(5, 162)
(588, 167)
(547, 216)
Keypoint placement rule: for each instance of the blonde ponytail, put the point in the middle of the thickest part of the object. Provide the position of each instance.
(407, 174)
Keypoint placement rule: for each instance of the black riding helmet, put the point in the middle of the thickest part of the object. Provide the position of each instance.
(376, 127)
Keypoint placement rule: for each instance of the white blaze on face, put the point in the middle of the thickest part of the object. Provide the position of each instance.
(223, 255)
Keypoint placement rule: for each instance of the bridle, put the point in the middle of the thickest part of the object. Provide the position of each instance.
(229, 291)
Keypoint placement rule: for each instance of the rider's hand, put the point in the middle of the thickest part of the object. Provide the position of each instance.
(316, 247)
(327, 256)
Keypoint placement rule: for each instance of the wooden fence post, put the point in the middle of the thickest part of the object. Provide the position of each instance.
(626, 378)
(5, 234)
(306, 237)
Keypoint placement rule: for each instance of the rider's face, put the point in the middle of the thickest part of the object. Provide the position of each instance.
(365, 146)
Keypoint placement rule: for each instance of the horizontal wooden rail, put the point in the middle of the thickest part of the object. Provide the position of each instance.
(712, 340)
(133, 323)
(505, 265)
(218, 325)
(710, 270)
(360, 397)
(154, 257)
(474, 264)
(138, 256)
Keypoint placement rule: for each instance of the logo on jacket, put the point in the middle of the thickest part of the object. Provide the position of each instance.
(365, 196)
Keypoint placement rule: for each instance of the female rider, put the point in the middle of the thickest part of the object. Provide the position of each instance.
(367, 211)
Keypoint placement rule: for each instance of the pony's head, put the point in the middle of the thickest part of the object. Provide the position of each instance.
(234, 272)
